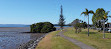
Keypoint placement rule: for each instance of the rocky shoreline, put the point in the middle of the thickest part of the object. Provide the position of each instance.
(32, 43)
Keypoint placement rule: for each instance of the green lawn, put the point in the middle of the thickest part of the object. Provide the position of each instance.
(95, 39)
(51, 41)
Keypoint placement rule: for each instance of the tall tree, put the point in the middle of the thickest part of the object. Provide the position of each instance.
(99, 19)
(61, 20)
(98, 16)
(86, 13)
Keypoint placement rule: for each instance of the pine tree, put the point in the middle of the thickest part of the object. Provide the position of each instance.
(61, 20)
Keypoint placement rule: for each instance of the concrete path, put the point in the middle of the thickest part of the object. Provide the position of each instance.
(76, 42)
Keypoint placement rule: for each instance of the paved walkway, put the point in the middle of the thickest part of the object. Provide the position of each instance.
(76, 42)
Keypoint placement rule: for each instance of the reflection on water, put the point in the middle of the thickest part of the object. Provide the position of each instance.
(11, 40)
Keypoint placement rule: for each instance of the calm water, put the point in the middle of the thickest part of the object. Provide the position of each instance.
(11, 40)
(11, 37)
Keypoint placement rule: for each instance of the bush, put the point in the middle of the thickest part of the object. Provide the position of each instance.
(42, 27)
(33, 28)
(54, 28)
(39, 26)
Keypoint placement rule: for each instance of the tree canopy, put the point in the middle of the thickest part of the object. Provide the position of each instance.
(42, 27)
(77, 24)
(86, 13)
(99, 15)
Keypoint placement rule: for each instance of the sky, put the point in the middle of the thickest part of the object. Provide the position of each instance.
(34, 11)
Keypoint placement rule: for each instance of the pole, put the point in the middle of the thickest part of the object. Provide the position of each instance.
(104, 29)
(88, 25)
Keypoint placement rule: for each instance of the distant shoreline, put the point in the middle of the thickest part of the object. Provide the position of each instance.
(14, 29)
(21, 25)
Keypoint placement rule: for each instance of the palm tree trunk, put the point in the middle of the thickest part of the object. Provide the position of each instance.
(88, 25)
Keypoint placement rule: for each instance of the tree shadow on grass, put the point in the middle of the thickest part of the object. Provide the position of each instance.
(85, 32)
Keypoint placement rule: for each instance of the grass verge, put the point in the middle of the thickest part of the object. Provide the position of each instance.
(95, 39)
(51, 41)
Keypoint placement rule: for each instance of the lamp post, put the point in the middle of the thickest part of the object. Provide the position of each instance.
(103, 29)
(103, 21)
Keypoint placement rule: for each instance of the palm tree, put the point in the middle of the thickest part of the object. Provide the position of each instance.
(86, 13)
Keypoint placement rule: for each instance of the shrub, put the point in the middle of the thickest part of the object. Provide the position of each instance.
(42, 27)
(39, 26)
(33, 28)
(54, 28)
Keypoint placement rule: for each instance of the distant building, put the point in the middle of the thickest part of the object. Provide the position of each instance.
(108, 25)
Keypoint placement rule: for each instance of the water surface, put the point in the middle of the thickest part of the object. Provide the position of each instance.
(12, 38)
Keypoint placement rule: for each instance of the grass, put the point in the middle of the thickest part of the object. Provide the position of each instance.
(95, 39)
(51, 41)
